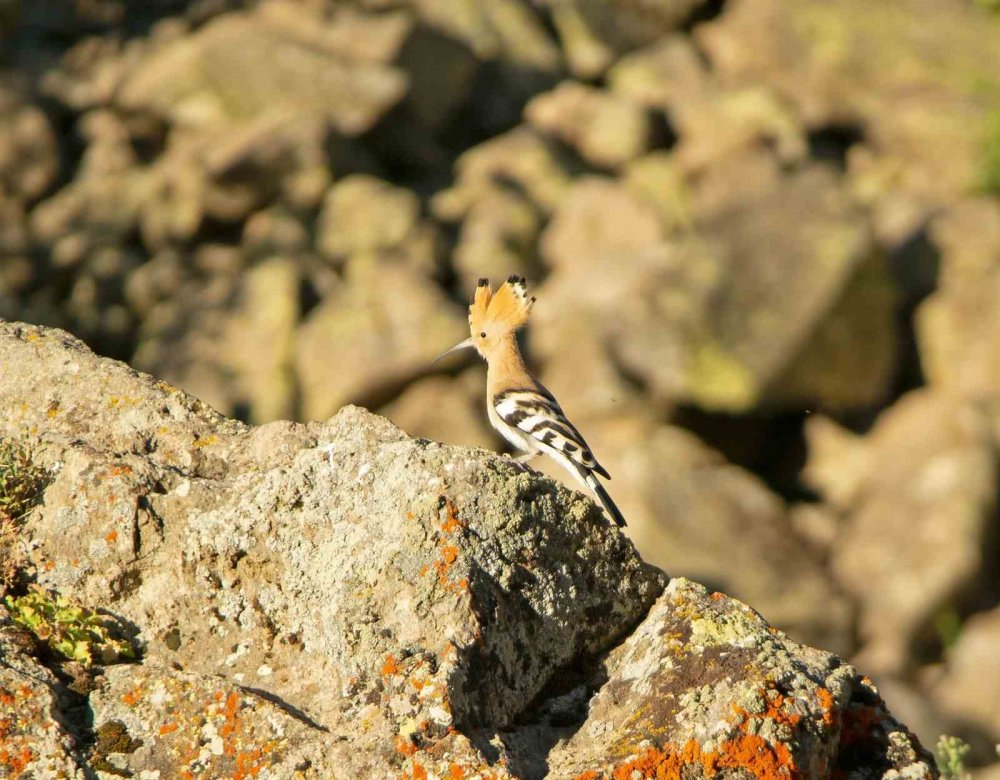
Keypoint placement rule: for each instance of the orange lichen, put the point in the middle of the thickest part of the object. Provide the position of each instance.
(659, 764)
(717, 596)
(133, 697)
(755, 754)
(232, 723)
(453, 523)
(773, 711)
(168, 728)
(18, 760)
(405, 745)
(390, 667)
(419, 773)
(111, 537)
(6, 697)
(249, 763)
(449, 554)
(826, 704)
(745, 750)
(456, 772)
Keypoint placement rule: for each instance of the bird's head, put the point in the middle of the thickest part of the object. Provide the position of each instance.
(494, 317)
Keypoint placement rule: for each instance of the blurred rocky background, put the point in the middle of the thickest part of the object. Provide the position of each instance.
(764, 236)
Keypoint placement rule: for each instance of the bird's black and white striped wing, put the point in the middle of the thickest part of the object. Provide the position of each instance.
(538, 415)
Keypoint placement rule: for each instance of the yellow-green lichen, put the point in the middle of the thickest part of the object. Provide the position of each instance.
(72, 631)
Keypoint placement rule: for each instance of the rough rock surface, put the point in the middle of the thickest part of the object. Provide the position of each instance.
(33, 736)
(737, 698)
(337, 597)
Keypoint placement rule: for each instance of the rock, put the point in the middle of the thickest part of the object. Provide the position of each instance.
(970, 686)
(166, 720)
(605, 129)
(215, 79)
(445, 410)
(657, 179)
(365, 214)
(259, 347)
(497, 237)
(339, 598)
(420, 631)
(917, 495)
(662, 75)
(958, 327)
(594, 32)
(712, 316)
(508, 30)
(28, 155)
(520, 157)
(384, 325)
(685, 504)
(34, 740)
(844, 63)
(730, 697)
(713, 120)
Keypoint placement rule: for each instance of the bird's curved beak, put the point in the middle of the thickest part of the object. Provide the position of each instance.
(464, 345)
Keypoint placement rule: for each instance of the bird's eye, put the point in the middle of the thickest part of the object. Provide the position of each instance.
(482, 335)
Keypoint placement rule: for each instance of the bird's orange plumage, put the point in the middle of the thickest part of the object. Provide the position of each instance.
(506, 310)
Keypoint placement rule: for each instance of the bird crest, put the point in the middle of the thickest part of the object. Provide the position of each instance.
(508, 308)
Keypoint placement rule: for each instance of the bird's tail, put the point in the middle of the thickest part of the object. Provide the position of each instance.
(609, 506)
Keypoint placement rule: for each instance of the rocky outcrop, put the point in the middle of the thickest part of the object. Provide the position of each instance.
(338, 598)
(738, 217)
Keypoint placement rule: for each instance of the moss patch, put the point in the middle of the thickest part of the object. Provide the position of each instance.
(112, 737)
(72, 631)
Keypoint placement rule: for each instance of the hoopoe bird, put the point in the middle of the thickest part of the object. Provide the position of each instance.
(519, 407)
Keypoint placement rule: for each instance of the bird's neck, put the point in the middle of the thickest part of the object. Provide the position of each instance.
(506, 367)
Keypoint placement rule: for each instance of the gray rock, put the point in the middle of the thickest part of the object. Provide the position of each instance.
(595, 32)
(847, 63)
(685, 504)
(712, 315)
(34, 740)
(958, 327)
(337, 598)
(378, 330)
(705, 688)
(215, 79)
(917, 497)
(969, 688)
(606, 129)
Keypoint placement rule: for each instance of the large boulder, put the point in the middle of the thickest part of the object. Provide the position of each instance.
(337, 598)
